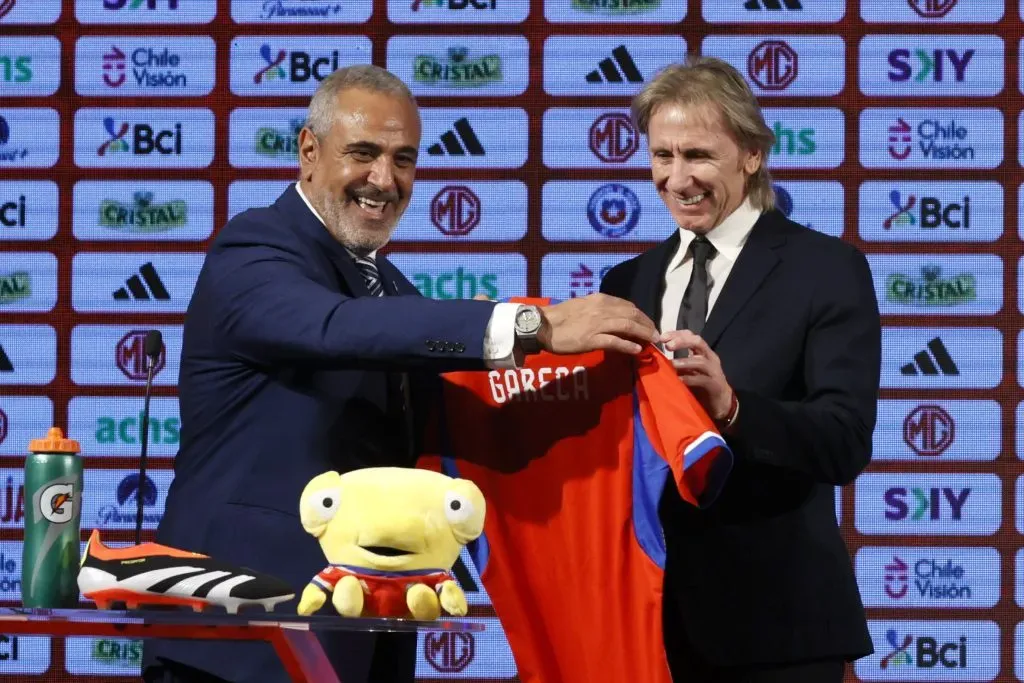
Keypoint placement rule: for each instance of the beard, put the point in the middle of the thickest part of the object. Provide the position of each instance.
(359, 235)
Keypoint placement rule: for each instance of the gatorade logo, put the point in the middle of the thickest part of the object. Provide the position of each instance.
(56, 503)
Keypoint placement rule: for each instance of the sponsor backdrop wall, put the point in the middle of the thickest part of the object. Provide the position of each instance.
(131, 130)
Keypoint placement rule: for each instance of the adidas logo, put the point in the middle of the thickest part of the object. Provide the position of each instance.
(938, 362)
(772, 4)
(459, 142)
(5, 362)
(135, 287)
(618, 68)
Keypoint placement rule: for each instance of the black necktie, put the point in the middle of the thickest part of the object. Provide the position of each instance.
(368, 269)
(694, 308)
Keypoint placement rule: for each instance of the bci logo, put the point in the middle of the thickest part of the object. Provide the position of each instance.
(936, 503)
(928, 213)
(449, 652)
(12, 213)
(418, 5)
(8, 647)
(140, 139)
(923, 652)
(295, 66)
(455, 210)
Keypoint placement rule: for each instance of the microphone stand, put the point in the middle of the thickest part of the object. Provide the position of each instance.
(140, 491)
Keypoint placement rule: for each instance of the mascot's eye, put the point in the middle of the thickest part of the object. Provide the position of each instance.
(324, 506)
(457, 508)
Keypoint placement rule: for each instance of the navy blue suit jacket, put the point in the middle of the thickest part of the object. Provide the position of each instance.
(763, 575)
(286, 372)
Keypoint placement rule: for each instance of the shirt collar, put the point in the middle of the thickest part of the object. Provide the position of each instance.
(728, 237)
(298, 188)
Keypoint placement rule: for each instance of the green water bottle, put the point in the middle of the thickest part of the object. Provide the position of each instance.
(53, 509)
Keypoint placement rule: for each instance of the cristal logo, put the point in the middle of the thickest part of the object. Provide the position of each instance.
(449, 652)
(455, 210)
(613, 138)
(932, 9)
(773, 65)
(931, 288)
(929, 430)
(130, 356)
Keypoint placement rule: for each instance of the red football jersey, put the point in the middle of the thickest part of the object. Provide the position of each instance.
(572, 454)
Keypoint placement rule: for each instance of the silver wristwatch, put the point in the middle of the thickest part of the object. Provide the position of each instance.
(528, 324)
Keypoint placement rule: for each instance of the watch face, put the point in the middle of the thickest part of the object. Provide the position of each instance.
(528, 320)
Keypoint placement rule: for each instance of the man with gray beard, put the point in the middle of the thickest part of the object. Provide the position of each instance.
(305, 351)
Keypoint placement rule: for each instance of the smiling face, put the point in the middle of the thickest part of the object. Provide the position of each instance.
(699, 170)
(359, 175)
(392, 519)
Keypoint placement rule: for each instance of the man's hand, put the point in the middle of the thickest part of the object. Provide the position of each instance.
(594, 322)
(702, 371)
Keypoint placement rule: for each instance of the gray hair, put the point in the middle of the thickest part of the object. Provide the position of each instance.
(707, 80)
(323, 106)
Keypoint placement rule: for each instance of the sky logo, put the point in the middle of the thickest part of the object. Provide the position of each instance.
(145, 11)
(922, 504)
(932, 65)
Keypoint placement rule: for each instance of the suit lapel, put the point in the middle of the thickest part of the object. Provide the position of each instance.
(394, 282)
(756, 260)
(650, 277)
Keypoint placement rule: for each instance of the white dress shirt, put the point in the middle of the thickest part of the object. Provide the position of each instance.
(728, 239)
(499, 337)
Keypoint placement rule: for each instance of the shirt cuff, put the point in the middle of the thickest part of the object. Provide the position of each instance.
(500, 336)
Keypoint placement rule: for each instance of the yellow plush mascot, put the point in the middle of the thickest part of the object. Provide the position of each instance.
(391, 536)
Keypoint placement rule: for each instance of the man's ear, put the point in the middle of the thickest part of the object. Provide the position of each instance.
(309, 152)
(753, 161)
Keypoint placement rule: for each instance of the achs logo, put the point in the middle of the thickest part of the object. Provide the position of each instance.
(125, 511)
(931, 289)
(928, 652)
(616, 6)
(613, 210)
(458, 70)
(929, 430)
(449, 652)
(929, 65)
(613, 138)
(115, 65)
(455, 210)
(459, 141)
(16, 69)
(130, 356)
(789, 142)
(143, 216)
(932, 9)
(296, 66)
(935, 139)
(6, 6)
(9, 153)
(15, 286)
(933, 504)
(932, 361)
(582, 280)
(773, 65)
(290, 9)
(619, 68)
(125, 430)
(278, 142)
(139, 4)
(934, 213)
(460, 284)
(896, 578)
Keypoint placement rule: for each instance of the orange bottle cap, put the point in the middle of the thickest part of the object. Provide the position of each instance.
(54, 443)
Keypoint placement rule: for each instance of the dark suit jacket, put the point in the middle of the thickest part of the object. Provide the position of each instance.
(763, 575)
(283, 378)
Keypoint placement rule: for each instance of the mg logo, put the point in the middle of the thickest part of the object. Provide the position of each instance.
(929, 430)
(613, 138)
(5, 7)
(130, 356)
(3, 426)
(932, 9)
(455, 210)
(449, 652)
(773, 65)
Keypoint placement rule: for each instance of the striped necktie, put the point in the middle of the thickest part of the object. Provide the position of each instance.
(368, 269)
